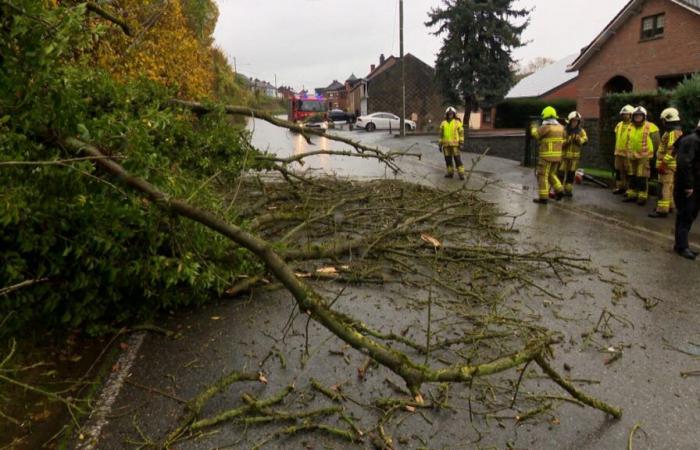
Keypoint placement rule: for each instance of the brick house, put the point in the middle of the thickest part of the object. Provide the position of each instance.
(335, 93)
(382, 91)
(650, 44)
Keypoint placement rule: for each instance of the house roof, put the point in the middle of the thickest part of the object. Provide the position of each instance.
(544, 80)
(352, 76)
(334, 86)
(609, 31)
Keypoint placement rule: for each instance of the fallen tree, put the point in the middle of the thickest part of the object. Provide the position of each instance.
(310, 302)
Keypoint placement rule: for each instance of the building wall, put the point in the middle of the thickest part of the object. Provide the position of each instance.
(565, 91)
(422, 94)
(676, 52)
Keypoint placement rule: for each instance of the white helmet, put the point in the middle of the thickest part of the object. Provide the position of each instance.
(574, 115)
(640, 110)
(671, 115)
(627, 109)
(451, 110)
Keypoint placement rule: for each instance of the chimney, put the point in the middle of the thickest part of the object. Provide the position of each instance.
(382, 59)
(371, 68)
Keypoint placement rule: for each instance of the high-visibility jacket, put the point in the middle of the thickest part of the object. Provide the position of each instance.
(451, 133)
(622, 130)
(551, 138)
(575, 139)
(664, 155)
(641, 144)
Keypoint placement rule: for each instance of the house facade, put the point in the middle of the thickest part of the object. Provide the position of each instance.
(382, 91)
(650, 44)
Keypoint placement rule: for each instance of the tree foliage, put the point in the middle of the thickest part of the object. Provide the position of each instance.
(101, 255)
(474, 64)
(687, 99)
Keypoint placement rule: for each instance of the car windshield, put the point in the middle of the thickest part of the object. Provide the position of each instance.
(311, 106)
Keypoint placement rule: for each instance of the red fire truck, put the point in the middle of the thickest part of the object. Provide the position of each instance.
(304, 107)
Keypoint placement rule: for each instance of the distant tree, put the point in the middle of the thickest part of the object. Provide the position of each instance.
(474, 65)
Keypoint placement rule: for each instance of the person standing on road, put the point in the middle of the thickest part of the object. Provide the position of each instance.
(576, 138)
(550, 136)
(621, 151)
(451, 142)
(687, 190)
(643, 141)
(666, 161)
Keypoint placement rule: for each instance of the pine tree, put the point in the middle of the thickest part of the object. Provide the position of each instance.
(474, 65)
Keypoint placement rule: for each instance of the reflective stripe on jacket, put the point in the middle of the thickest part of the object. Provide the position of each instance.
(551, 139)
(622, 130)
(641, 145)
(451, 133)
(573, 144)
(665, 154)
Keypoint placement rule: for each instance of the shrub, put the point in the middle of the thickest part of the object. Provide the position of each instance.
(517, 113)
(687, 99)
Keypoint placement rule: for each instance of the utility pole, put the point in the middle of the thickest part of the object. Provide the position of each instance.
(275, 85)
(235, 69)
(402, 121)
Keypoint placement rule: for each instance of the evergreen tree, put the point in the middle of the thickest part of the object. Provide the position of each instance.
(474, 66)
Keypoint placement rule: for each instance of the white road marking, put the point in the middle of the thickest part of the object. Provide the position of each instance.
(98, 417)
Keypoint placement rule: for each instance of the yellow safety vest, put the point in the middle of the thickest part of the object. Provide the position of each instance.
(641, 145)
(551, 139)
(573, 144)
(664, 153)
(622, 131)
(451, 133)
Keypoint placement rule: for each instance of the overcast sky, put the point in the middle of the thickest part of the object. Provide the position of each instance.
(309, 43)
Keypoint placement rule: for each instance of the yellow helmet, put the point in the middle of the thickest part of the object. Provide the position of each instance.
(627, 109)
(549, 113)
(671, 115)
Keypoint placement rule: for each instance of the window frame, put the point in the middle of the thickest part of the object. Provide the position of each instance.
(655, 33)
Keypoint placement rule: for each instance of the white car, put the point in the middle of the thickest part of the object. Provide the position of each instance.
(383, 121)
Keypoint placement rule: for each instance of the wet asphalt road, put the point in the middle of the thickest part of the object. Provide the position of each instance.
(658, 344)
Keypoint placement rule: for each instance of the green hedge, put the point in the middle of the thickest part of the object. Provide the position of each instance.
(687, 99)
(517, 113)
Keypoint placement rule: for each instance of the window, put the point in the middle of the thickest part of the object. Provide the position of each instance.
(653, 26)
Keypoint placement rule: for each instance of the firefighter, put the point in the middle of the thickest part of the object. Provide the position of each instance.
(666, 161)
(643, 141)
(550, 136)
(687, 190)
(621, 140)
(451, 142)
(571, 152)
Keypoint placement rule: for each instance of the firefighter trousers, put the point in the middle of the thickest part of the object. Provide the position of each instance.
(546, 177)
(621, 179)
(453, 154)
(567, 171)
(638, 171)
(666, 203)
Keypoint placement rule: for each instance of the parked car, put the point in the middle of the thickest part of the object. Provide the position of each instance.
(338, 115)
(382, 121)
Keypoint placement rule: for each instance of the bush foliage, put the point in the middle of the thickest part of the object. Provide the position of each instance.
(518, 113)
(687, 99)
(103, 255)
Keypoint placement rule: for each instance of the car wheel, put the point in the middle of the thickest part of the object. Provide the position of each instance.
(408, 127)
(370, 127)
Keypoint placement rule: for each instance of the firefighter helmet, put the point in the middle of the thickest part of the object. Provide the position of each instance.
(640, 110)
(575, 115)
(451, 110)
(549, 113)
(671, 115)
(627, 109)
